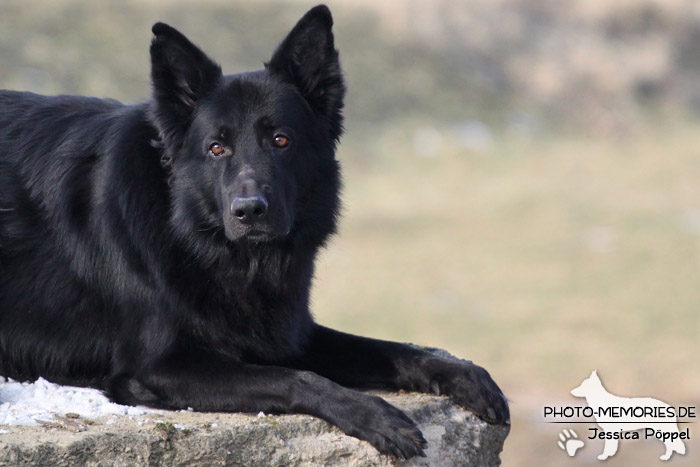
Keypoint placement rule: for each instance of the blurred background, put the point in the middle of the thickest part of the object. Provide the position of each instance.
(522, 178)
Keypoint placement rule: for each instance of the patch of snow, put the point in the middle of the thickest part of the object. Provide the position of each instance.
(23, 403)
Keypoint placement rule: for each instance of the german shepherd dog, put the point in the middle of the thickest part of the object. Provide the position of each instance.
(163, 252)
(613, 428)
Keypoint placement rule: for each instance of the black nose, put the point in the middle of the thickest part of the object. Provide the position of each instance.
(250, 209)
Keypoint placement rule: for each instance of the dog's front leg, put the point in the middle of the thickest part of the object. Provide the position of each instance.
(209, 383)
(609, 449)
(374, 364)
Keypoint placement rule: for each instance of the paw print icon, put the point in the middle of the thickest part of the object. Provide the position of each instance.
(569, 442)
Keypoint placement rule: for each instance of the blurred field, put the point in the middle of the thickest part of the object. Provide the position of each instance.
(530, 208)
(540, 260)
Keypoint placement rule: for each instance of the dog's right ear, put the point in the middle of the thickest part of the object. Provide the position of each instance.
(181, 74)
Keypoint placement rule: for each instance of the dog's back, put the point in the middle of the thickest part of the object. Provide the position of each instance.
(52, 166)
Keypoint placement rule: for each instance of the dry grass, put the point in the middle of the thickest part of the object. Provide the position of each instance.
(540, 261)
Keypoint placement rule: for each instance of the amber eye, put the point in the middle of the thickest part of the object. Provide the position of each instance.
(280, 140)
(216, 149)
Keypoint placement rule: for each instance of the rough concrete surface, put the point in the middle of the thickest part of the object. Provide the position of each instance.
(455, 437)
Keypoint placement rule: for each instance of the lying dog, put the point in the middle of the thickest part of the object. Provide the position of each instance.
(164, 252)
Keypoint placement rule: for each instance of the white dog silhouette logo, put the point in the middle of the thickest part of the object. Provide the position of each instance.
(607, 408)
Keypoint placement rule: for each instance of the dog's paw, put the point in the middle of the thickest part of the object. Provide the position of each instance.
(385, 427)
(569, 442)
(471, 387)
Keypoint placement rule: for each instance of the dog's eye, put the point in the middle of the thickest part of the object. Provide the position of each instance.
(216, 149)
(280, 140)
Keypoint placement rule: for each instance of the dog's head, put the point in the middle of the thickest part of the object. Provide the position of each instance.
(588, 386)
(252, 154)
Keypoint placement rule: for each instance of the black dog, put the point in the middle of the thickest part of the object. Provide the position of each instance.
(164, 252)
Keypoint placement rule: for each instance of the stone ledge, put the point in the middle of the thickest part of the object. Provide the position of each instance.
(455, 437)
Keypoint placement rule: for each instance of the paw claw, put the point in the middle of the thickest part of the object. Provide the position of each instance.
(391, 432)
(472, 387)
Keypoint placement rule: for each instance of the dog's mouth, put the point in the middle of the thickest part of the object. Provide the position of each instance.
(254, 237)
(255, 233)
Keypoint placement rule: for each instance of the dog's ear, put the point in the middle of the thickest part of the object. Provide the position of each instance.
(181, 74)
(307, 58)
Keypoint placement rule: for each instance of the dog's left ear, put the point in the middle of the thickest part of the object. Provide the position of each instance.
(307, 58)
(181, 75)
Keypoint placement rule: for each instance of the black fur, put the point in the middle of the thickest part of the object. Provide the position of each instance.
(163, 252)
